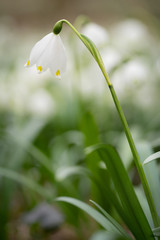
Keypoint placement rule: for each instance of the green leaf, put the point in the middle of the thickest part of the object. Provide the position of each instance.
(25, 181)
(156, 231)
(111, 219)
(143, 201)
(104, 222)
(137, 221)
(89, 128)
(109, 195)
(151, 172)
(95, 53)
(103, 235)
(91, 47)
(152, 157)
(12, 156)
(66, 172)
(40, 157)
(17, 137)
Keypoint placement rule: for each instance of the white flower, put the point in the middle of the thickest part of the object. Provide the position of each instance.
(48, 53)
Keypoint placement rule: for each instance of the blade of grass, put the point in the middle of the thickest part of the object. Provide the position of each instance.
(111, 219)
(156, 232)
(138, 223)
(104, 222)
(151, 171)
(152, 157)
(109, 195)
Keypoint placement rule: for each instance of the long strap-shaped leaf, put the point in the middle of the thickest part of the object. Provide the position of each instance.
(111, 219)
(137, 221)
(105, 222)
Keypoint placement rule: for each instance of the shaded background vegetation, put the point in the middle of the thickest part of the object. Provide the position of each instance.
(45, 124)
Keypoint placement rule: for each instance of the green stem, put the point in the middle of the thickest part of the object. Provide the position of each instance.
(94, 51)
(136, 158)
(57, 28)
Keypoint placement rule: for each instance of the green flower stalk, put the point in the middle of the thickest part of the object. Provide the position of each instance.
(95, 53)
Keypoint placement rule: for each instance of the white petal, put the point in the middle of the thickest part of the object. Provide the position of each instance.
(53, 56)
(39, 48)
(47, 55)
(59, 61)
(27, 64)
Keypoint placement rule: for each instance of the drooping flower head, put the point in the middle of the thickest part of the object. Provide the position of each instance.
(48, 53)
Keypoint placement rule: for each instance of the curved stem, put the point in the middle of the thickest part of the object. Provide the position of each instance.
(94, 51)
(100, 61)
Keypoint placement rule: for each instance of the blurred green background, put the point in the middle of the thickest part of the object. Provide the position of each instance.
(46, 123)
